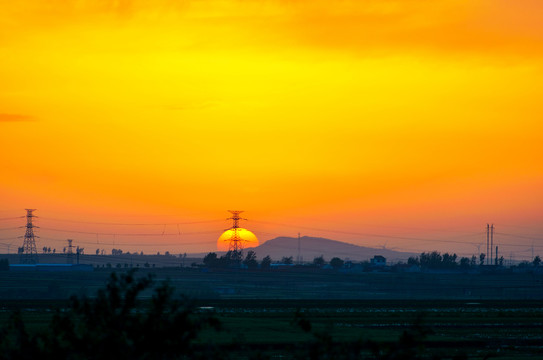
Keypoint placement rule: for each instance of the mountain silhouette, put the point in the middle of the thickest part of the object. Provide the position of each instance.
(312, 247)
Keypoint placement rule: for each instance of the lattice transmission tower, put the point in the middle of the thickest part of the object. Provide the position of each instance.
(29, 255)
(236, 242)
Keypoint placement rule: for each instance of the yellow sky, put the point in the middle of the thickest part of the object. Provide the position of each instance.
(357, 115)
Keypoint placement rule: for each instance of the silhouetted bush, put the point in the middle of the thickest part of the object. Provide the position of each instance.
(114, 325)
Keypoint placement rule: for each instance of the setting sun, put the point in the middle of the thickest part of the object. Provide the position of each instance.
(248, 239)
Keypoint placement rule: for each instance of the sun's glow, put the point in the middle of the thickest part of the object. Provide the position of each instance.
(404, 113)
(248, 239)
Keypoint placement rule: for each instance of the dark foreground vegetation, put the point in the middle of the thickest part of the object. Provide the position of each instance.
(133, 319)
(113, 325)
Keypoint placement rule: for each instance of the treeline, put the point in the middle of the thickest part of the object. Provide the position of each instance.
(436, 260)
(235, 259)
(427, 260)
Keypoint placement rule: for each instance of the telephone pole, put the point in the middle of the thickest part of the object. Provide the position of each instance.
(29, 255)
(299, 256)
(487, 241)
(491, 243)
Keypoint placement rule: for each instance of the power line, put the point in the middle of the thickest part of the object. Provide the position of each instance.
(12, 218)
(369, 234)
(401, 237)
(338, 231)
(529, 237)
(130, 244)
(178, 234)
(132, 224)
(132, 234)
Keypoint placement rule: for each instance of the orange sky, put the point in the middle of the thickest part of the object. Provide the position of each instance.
(407, 118)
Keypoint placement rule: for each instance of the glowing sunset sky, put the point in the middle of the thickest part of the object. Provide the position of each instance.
(408, 118)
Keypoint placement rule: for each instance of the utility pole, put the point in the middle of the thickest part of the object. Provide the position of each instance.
(487, 241)
(299, 256)
(29, 255)
(491, 242)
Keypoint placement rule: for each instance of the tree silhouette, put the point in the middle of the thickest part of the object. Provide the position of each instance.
(319, 261)
(114, 325)
(464, 263)
(336, 263)
(449, 261)
(287, 260)
(482, 257)
(210, 260)
(250, 260)
(266, 262)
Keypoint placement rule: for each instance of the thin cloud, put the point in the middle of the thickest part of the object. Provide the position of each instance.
(15, 118)
(448, 27)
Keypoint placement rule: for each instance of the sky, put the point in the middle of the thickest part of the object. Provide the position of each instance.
(405, 124)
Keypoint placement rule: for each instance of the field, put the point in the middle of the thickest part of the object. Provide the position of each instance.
(295, 283)
(471, 315)
(507, 330)
(501, 329)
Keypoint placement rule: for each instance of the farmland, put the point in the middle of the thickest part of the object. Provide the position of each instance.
(456, 315)
(293, 283)
(502, 329)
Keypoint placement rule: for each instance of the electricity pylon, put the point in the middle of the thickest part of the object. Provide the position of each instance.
(236, 242)
(29, 255)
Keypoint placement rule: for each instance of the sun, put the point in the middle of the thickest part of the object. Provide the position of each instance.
(249, 239)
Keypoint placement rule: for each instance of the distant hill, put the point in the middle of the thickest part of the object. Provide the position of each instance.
(312, 247)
